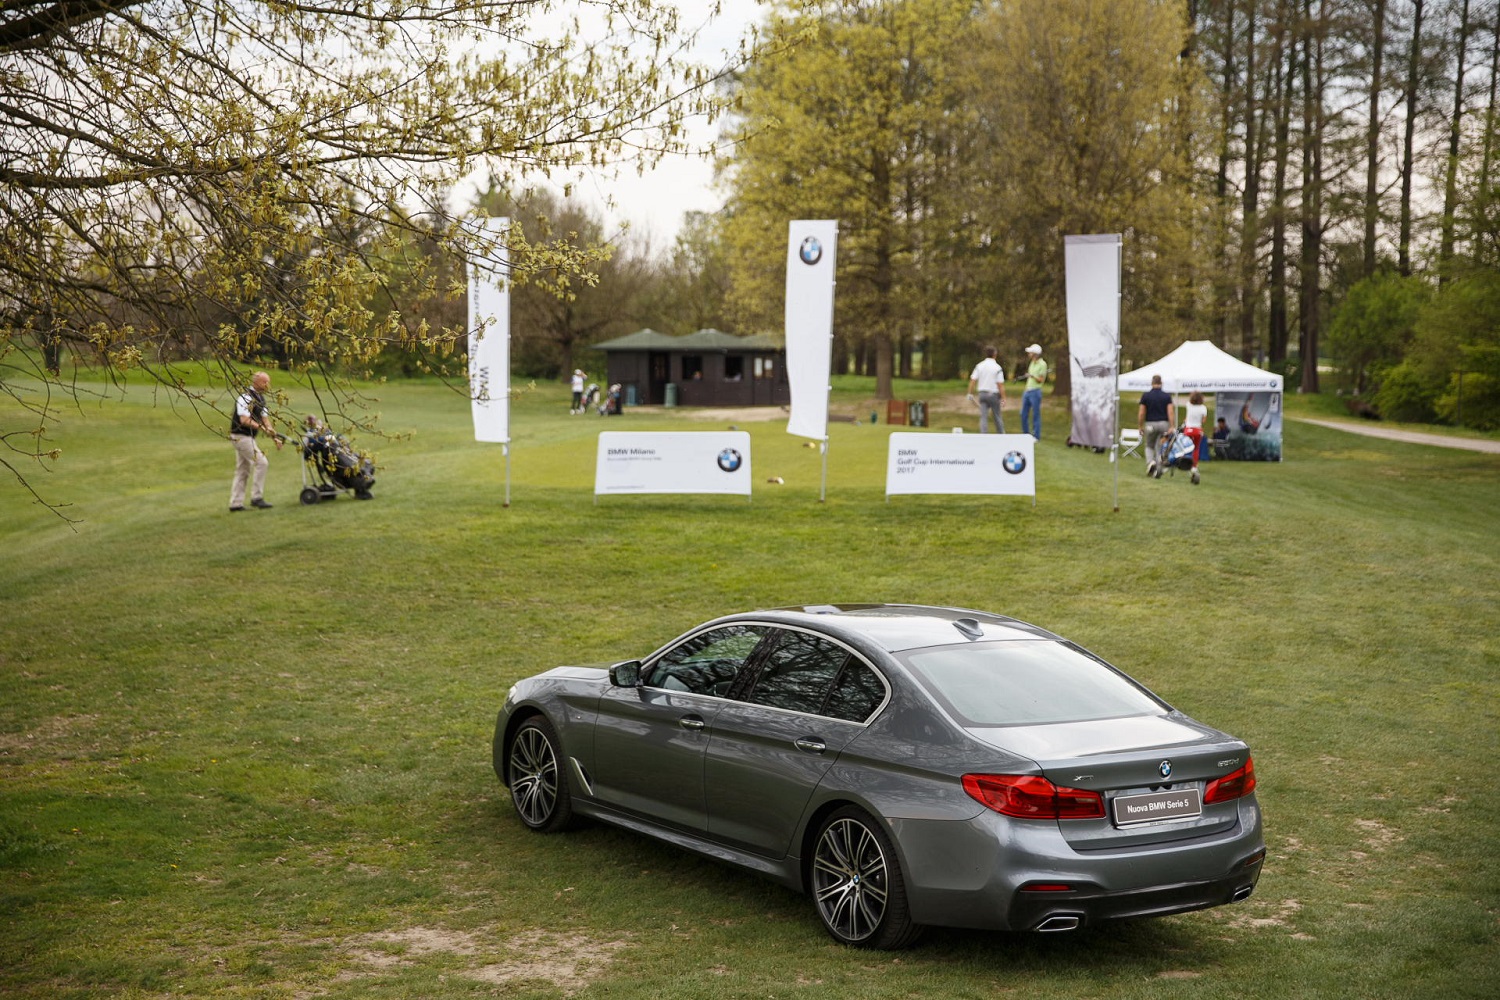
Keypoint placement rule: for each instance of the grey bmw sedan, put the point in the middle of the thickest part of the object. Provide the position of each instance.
(903, 765)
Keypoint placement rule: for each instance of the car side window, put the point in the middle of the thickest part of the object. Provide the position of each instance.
(798, 672)
(708, 662)
(856, 694)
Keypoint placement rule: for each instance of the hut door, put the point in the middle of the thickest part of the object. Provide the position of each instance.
(661, 374)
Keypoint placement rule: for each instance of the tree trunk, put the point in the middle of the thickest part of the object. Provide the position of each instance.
(1489, 120)
(1372, 138)
(1309, 311)
(1484, 201)
(1223, 291)
(1413, 77)
(1250, 202)
(1450, 186)
(1286, 59)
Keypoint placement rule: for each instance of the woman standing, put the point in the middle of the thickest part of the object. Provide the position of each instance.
(1192, 426)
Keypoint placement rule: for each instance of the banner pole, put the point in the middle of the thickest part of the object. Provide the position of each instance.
(1119, 312)
(823, 486)
(505, 449)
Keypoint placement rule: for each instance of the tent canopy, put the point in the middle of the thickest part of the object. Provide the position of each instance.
(1199, 365)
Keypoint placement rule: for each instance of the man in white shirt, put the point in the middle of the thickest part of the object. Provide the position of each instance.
(988, 380)
(577, 392)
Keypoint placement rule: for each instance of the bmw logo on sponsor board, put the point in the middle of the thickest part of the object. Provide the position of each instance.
(1014, 462)
(811, 250)
(730, 460)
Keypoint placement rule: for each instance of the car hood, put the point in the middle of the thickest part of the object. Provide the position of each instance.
(1066, 740)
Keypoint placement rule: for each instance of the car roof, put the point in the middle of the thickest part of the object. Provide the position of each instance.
(896, 627)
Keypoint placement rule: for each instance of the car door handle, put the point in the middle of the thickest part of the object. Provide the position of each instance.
(691, 722)
(808, 745)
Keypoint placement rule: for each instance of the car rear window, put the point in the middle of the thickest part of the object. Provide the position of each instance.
(1023, 682)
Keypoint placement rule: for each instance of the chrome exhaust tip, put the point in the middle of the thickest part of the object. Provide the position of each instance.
(1243, 892)
(1061, 922)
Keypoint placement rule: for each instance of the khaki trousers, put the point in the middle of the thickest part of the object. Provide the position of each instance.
(246, 457)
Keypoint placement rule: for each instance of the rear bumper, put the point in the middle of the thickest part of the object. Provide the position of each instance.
(984, 872)
(1087, 904)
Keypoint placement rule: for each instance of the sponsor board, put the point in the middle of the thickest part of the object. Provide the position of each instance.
(976, 464)
(673, 462)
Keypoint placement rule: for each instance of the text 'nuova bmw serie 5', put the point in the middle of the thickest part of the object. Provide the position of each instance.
(903, 765)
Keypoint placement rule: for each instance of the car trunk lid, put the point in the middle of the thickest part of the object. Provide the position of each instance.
(1150, 770)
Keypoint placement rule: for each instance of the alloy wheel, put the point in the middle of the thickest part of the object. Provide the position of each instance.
(851, 880)
(533, 776)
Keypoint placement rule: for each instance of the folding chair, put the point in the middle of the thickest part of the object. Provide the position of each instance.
(1130, 442)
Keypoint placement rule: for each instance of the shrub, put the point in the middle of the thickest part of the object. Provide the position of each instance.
(1406, 395)
(1481, 402)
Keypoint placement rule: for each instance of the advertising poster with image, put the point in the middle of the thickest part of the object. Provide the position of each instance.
(1093, 286)
(1254, 420)
(673, 462)
(973, 464)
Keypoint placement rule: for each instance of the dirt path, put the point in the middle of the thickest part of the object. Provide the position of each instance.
(1412, 437)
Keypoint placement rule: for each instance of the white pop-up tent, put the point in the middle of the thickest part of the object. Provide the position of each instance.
(1199, 365)
(1248, 398)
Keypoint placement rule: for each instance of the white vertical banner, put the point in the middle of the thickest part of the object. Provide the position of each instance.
(489, 331)
(811, 252)
(1093, 272)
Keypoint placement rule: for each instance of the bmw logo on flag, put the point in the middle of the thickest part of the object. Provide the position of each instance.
(1014, 463)
(811, 250)
(730, 460)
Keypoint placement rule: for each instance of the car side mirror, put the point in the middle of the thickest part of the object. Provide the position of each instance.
(627, 674)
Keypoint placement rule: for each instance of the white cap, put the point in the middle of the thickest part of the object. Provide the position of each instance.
(1034, 349)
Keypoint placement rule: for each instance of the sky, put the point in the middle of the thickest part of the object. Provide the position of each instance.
(653, 204)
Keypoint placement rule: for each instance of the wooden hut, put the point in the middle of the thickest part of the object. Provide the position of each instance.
(707, 368)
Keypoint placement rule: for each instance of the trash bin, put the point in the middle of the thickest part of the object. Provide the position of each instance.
(916, 413)
(895, 412)
(630, 395)
(671, 399)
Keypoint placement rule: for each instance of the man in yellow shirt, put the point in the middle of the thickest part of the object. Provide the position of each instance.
(1031, 399)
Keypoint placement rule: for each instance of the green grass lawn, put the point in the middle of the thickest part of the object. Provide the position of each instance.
(248, 755)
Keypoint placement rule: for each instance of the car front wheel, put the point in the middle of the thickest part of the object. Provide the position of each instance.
(538, 786)
(857, 883)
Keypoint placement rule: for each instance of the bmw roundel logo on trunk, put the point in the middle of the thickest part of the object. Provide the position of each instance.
(1165, 767)
(811, 250)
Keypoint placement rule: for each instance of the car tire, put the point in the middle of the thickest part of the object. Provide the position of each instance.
(536, 778)
(857, 885)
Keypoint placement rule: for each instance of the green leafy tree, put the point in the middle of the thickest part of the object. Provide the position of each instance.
(1090, 115)
(695, 283)
(1372, 327)
(1456, 350)
(563, 303)
(856, 117)
(231, 181)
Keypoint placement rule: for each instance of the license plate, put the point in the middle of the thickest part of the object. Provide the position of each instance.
(1155, 807)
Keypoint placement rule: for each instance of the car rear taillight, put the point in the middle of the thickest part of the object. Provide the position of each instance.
(1232, 786)
(1029, 796)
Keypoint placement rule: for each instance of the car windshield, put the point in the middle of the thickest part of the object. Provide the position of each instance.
(1024, 682)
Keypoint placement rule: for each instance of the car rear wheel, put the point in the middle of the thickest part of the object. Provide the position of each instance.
(857, 884)
(538, 786)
